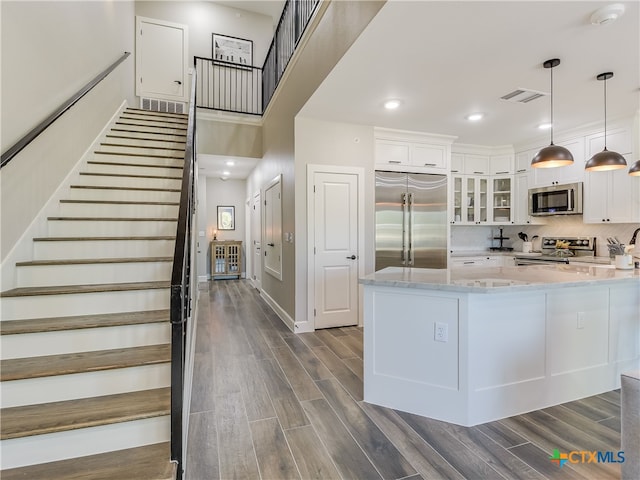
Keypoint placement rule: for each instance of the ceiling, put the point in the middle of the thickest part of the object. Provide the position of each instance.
(271, 8)
(447, 59)
(216, 165)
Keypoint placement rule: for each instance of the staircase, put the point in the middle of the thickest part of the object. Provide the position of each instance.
(85, 367)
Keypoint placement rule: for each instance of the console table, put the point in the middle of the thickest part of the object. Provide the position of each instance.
(226, 258)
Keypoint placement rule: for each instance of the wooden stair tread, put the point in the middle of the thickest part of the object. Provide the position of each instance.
(151, 462)
(82, 362)
(115, 219)
(131, 130)
(120, 202)
(131, 164)
(54, 417)
(134, 124)
(105, 144)
(83, 261)
(92, 239)
(78, 322)
(73, 289)
(129, 175)
(146, 155)
(149, 118)
(142, 189)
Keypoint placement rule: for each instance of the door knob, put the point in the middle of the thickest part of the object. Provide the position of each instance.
(178, 82)
(352, 257)
(271, 244)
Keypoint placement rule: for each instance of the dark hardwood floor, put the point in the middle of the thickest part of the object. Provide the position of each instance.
(268, 404)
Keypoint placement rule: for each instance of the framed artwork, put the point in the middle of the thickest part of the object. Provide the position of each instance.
(232, 49)
(226, 217)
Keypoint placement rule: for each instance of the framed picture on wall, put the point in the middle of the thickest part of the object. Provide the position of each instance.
(232, 49)
(226, 217)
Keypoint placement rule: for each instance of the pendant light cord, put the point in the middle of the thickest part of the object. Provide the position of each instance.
(605, 112)
(551, 105)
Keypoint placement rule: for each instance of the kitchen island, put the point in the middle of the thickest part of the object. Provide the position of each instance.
(468, 346)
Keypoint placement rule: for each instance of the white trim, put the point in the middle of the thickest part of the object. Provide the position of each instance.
(184, 98)
(277, 180)
(23, 248)
(227, 117)
(311, 293)
(284, 316)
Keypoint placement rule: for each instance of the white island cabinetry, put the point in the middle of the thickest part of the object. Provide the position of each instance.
(469, 346)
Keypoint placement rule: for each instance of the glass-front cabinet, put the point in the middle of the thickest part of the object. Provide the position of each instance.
(481, 199)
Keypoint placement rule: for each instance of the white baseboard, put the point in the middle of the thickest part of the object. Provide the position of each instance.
(284, 316)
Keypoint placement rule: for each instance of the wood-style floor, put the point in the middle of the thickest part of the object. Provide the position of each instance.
(268, 404)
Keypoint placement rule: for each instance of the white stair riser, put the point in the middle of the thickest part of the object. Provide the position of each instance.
(44, 306)
(60, 388)
(103, 248)
(122, 195)
(116, 228)
(128, 181)
(20, 452)
(116, 210)
(119, 132)
(131, 170)
(142, 142)
(153, 121)
(151, 129)
(105, 157)
(86, 274)
(137, 150)
(84, 340)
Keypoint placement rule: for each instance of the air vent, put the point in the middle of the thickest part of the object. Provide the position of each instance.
(156, 105)
(522, 95)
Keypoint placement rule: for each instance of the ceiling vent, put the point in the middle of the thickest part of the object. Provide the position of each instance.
(522, 95)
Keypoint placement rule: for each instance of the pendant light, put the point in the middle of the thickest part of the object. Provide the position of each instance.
(634, 171)
(605, 160)
(553, 155)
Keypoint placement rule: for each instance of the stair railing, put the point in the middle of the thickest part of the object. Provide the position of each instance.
(183, 287)
(42, 126)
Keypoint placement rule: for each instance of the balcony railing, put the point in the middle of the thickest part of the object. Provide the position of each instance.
(230, 87)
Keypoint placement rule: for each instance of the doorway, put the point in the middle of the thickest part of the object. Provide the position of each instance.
(335, 226)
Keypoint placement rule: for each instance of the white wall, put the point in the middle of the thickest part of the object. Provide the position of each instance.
(49, 51)
(225, 193)
(206, 18)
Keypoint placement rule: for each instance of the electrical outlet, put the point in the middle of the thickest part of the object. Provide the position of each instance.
(580, 323)
(441, 333)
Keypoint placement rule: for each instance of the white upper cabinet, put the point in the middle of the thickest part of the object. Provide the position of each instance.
(501, 165)
(543, 177)
(470, 164)
(523, 161)
(412, 152)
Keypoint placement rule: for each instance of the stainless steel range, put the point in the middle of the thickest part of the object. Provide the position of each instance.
(559, 250)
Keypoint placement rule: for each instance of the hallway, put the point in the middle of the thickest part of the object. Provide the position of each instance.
(269, 404)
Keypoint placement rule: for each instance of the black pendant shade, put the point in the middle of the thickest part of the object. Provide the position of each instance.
(553, 155)
(634, 171)
(606, 159)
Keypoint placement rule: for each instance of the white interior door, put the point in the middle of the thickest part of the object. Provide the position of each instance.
(256, 241)
(161, 59)
(336, 249)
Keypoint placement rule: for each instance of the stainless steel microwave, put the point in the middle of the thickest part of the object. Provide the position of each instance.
(556, 200)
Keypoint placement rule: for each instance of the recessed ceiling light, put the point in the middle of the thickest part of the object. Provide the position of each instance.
(544, 126)
(230, 163)
(392, 104)
(226, 172)
(474, 117)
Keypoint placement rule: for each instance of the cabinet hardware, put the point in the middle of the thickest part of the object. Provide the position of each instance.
(479, 173)
(394, 161)
(521, 170)
(501, 173)
(429, 164)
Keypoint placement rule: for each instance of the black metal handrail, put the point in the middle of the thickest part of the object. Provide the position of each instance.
(181, 291)
(42, 126)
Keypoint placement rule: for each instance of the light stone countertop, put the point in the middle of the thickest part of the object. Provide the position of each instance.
(501, 279)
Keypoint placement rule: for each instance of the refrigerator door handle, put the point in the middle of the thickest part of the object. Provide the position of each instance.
(404, 215)
(410, 233)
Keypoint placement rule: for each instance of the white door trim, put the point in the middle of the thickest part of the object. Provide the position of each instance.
(185, 55)
(312, 169)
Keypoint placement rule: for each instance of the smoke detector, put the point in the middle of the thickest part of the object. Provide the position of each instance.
(607, 14)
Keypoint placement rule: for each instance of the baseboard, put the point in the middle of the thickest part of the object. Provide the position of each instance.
(203, 278)
(23, 249)
(284, 316)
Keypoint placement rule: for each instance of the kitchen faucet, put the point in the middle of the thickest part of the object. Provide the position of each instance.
(633, 239)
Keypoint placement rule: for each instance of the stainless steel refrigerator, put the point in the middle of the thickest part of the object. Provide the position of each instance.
(411, 220)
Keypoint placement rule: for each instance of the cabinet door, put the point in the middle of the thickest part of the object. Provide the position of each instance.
(457, 200)
(596, 189)
(620, 198)
(543, 177)
(501, 165)
(392, 152)
(521, 198)
(467, 262)
(476, 164)
(618, 140)
(523, 161)
(501, 199)
(457, 163)
(429, 156)
(482, 209)
(469, 206)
